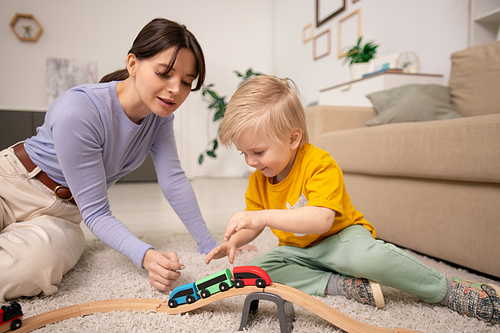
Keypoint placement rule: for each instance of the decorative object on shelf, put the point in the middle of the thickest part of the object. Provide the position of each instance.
(327, 9)
(307, 33)
(26, 27)
(322, 45)
(359, 57)
(349, 30)
(385, 62)
(217, 106)
(409, 62)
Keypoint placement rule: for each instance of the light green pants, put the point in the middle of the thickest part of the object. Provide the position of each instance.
(353, 252)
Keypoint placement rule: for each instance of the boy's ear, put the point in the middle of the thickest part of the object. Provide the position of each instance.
(295, 138)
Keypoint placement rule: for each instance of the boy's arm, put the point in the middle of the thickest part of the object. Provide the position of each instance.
(303, 220)
(229, 248)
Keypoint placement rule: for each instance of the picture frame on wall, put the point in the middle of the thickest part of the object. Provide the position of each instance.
(307, 33)
(322, 45)
(327, 9)
(349, 32)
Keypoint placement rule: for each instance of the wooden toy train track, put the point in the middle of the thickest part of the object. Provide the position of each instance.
(295, 296)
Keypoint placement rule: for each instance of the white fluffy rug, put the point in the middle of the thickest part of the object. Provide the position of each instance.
(103, 274)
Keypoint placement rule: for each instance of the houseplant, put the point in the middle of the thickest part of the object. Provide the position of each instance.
(359, 57)
(217, 107)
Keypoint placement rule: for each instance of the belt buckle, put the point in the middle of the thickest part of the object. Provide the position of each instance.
(58, 196)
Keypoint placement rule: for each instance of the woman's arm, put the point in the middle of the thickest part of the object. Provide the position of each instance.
(177, 188)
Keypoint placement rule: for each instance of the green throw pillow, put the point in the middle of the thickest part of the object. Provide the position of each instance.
(413, 102)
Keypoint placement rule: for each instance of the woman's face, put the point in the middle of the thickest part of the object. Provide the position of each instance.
(161, 92)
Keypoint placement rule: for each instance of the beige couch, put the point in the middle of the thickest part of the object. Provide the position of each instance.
(431, 186)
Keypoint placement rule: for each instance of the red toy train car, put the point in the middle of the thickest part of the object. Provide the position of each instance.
(11, 314)
(250, 276)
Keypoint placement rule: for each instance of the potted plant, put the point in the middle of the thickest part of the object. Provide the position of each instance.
(359, 57)
(217, 105)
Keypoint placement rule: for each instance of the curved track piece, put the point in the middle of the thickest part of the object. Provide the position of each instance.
(293, 295)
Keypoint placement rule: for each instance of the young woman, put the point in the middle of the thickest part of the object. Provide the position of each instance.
(92, 136)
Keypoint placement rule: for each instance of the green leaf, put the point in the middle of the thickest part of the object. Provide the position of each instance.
(215, 144)
(211, 154)
(218, 115)
(213, 94)
(200, 159)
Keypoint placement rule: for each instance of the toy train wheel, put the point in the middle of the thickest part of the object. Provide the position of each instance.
(261, 283)
(190, 299)
(16, 324)
(204, 293)
(238, 283)
(223, 286)
(172, 303)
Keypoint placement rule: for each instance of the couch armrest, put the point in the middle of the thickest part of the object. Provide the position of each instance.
(327, 118)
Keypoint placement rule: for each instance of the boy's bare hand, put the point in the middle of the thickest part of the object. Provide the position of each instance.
(163, 268)
(224, 249)
(244, 220)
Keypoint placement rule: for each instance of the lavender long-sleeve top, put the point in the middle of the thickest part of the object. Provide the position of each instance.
(87, 143)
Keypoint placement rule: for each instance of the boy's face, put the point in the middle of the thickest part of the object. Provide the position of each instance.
(272, 159)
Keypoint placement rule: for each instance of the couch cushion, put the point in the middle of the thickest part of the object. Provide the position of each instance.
(412, 102)
(464, 149)
(475, 80)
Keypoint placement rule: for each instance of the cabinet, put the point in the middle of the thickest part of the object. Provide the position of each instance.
(484, 21)
(353, 93)
(17, 125)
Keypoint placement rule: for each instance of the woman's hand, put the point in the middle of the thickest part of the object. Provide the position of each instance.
(163, 268)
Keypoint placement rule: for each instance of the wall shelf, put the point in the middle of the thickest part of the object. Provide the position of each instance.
(485, 21)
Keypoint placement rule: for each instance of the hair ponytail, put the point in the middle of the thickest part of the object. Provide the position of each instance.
(118, 75)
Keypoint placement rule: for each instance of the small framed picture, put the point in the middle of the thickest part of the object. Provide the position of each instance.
(349, 32)
(327, 9)
(307, 33)
(322, 45)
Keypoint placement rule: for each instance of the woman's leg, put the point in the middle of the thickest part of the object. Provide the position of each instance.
(34, 255)
(40, 236)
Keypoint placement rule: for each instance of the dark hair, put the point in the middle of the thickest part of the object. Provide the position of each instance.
(157, 36)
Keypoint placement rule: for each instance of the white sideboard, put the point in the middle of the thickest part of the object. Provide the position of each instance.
(354, 93)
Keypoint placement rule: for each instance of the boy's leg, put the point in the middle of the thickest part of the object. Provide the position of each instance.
(290, 265)
(296, 268)
(354, 251)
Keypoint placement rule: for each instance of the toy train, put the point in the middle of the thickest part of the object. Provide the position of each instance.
(221, 281)
(12, 314)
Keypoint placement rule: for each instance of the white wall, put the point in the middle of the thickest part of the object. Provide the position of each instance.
(103, 31)
(263, 34)
(432, 29)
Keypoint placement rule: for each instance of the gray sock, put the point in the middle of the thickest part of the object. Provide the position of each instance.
(447, 297)
(333, 285)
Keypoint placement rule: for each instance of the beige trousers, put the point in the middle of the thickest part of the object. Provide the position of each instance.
(40, 235)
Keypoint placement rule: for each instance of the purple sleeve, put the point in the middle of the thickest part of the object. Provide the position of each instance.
(177, 188)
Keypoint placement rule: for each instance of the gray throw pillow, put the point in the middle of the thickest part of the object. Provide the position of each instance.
(413, 102)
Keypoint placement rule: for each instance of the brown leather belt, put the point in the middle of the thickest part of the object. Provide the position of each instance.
(61, 192)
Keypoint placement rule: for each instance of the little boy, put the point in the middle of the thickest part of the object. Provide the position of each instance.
(326, 247)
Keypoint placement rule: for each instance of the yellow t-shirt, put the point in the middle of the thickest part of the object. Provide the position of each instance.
(315, 180)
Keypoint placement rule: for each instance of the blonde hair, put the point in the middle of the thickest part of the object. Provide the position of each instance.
(264, 103)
